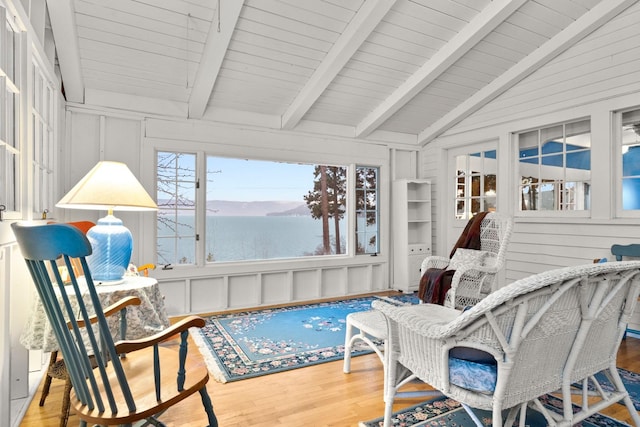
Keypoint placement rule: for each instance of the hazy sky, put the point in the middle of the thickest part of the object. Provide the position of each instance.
(253, 180)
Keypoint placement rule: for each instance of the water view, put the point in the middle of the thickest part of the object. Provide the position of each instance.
(236, 238)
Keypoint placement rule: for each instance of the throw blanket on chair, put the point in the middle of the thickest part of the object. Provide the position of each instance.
(435, 282)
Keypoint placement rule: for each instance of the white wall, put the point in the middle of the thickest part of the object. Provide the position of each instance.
(96, 135)
(598, 76)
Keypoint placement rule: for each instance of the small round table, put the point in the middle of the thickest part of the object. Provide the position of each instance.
(143, 320)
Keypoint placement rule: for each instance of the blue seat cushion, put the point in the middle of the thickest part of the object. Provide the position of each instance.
(473, 369)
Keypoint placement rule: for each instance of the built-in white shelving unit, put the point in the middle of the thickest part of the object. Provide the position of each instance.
(411, 231)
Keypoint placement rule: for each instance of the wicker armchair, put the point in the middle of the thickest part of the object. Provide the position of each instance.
(473, 281)
(538, 335)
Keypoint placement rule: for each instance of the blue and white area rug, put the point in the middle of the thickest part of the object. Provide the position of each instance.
(252, 343)
(443, 411)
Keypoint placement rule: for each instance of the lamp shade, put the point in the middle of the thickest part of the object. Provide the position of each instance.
(110, 186)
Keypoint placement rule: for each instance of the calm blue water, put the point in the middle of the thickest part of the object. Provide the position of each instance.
(251, 237)
(263, 237)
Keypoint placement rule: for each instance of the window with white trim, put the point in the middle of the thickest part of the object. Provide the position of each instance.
(42, 118)
(176, 185)
(476, 183)
(218, 209)
(10, 149)
(367, 211)
(554, 167)
(630, 152)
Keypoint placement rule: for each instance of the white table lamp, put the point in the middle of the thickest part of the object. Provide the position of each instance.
(109, 186)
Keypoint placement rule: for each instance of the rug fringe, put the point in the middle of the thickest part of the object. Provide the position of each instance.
(211, 361)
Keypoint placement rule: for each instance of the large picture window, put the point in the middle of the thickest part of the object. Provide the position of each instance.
(555, 167)
(244, 210)
(265, 210)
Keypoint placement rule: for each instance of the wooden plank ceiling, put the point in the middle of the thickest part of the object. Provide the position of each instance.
(383, 70)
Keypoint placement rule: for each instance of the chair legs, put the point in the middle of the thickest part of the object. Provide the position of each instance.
(370, 325)
(614, 377)
(66, 403)
(208, 407)
(47, 381)
(58, 370)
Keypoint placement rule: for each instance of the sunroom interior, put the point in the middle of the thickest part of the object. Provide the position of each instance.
(223, 109)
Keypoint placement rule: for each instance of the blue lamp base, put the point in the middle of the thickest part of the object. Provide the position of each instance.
(112, 245)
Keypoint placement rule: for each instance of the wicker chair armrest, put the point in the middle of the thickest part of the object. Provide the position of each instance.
(111, 310)
(127, 346)
(478, 269)
(434, 261)
(428, 320)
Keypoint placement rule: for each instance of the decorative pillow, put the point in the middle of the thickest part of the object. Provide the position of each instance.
(480, 377)
(464, 257)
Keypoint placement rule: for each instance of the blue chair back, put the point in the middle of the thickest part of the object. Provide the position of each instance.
(619, 251)
(82, 347)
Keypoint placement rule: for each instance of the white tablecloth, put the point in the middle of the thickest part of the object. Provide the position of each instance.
(143, 320)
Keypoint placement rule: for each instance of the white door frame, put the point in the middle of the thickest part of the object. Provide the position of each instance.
(453, 226)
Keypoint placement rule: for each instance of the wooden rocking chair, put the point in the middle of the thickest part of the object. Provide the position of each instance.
(113, 382)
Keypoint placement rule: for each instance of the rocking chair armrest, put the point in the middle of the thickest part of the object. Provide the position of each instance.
(128, 346)
(110, 310)
(478, 269)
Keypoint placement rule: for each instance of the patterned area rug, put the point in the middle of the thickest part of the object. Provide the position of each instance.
(443, 411)
(447, 412)
(253, 343)
(631, 381)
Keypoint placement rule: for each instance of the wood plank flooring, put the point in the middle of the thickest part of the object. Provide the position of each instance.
(320, 395)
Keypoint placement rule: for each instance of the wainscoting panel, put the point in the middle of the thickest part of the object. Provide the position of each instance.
(244, 290)
(208, 294)
(215, 293)
(334, 281)
(175, 297)
(359, 279)
(306, 284)
(276, 287)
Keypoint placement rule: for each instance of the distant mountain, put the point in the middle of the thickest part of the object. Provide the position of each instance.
(302, 210)
(261, 208)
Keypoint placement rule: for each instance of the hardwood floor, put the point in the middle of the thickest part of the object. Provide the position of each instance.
(319, 395)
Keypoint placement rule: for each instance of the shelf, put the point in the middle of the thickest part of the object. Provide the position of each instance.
(411, 211)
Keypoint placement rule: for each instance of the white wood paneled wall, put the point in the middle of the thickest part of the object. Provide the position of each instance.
(93, 136)
(598, 76)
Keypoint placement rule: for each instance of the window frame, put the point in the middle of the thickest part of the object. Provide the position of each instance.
(557, 213)
(11, 82)
(201, 261)
(356, 211)
(467, 150)
(42, 123)
(197, 196)
(616, 146)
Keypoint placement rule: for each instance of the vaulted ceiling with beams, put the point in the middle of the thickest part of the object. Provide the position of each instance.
(381, 70)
